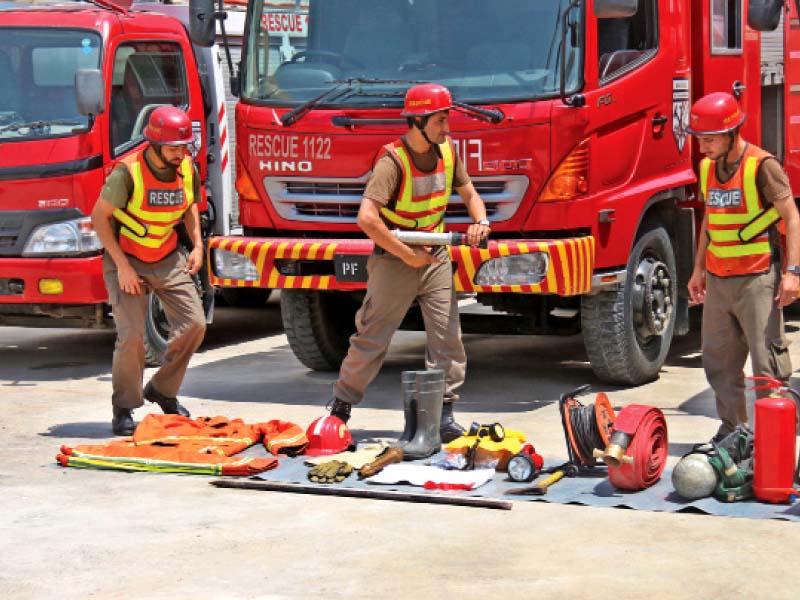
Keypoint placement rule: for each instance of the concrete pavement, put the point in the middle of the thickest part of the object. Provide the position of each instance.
(69, 533)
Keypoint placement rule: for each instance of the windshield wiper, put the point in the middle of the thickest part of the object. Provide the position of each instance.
(493, 115)
(293, 116)
(343, 87)
(35, 125)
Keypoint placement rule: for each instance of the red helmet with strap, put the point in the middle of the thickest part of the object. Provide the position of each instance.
(328, 435)
(425, 99)
(715, 113)
(169, 126)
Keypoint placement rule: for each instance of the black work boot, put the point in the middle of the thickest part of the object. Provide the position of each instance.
(449, 429)
(122, 423)
(170, 406)
(340, 409)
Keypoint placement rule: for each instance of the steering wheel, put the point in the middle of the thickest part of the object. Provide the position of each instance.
(334, 57)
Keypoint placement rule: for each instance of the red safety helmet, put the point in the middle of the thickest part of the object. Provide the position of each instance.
(425, 99)
(169, 126)
(714, 114)
(328, 435)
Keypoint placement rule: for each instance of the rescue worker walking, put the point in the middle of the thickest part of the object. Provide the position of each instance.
(410, 188)
(146, 196)
(739, 273)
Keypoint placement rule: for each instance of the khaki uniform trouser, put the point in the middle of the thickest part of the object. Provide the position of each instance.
(740, 315)
(178, 295)
(392, 286)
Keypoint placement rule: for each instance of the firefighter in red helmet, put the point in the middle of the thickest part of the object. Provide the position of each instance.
(409, 189)
(745, 272)
(149, 194)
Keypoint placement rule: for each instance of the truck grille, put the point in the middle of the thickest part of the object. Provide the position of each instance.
(10, 228)
(338, 200)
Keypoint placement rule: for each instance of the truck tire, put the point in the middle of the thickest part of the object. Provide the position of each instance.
(318, 326)
(627, 332)
(156, 332)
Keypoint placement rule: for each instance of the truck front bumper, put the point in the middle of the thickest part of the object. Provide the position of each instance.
(52, 281)
(554, 266)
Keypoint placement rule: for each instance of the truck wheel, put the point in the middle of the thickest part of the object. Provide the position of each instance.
(246, 297)
(627, 332)
(156, 324)
(319, 326)
(156, 332)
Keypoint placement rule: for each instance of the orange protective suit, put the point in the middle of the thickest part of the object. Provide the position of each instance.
(176, 444)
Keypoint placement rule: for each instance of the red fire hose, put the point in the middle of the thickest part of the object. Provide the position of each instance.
(646, 429)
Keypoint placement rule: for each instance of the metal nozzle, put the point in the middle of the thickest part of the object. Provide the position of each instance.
(614, 455)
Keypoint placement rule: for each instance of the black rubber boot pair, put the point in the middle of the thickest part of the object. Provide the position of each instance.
(170, 406)
(448, 428)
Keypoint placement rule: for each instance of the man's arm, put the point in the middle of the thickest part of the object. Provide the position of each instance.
(790, 283)
(129, 280)
(697, 282)
(476, 210)
(191, 219)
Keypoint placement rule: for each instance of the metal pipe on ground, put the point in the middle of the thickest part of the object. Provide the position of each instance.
(272, 486)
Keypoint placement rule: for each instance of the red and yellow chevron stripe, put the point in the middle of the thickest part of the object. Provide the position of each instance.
(569, 273)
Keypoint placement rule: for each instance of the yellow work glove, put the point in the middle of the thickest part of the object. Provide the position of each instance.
(330, 472)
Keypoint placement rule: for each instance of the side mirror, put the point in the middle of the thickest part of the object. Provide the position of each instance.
(615, 9)
(202, 28)
(764, 15)
(90, 95)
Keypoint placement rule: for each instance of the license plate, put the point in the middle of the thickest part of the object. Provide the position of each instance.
(351, 268)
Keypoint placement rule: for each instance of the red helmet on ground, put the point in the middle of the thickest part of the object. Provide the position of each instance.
(169, 126)
(425, 99)
(714, 114)
(328, 435)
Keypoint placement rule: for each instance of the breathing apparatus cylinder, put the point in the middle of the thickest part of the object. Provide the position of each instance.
(694, 477)
(774, 449)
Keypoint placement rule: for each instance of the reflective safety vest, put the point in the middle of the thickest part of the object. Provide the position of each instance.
(423, 197)
(738, 221)
(153, 210)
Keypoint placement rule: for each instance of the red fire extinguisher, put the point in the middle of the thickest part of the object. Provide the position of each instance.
(774, 445)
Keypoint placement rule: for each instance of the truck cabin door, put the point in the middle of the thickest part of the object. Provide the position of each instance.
(727, 58)
(791, 95)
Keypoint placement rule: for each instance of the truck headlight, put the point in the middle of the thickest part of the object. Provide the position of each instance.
(229, 265)
(518, 269)
(65, 238)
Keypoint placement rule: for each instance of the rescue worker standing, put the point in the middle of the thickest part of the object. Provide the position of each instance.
(146, 196)
(410, 188)
(739, 274)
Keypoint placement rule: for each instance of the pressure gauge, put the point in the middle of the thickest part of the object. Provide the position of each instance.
(521, 467)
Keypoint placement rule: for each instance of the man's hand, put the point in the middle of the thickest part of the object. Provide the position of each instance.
(697, 286)
(476, 233)
(787, 293)
(420, 257)
(195, 260)
(129, 280)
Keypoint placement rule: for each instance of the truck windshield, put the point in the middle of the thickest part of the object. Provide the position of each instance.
(504, 50)
(37, 80)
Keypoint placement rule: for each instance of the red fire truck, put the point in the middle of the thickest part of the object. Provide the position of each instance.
(580, 154)
(78, 83)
